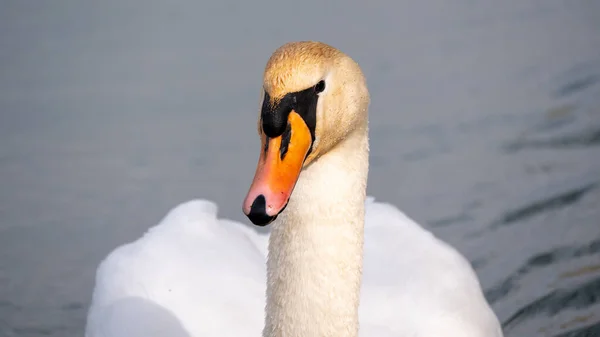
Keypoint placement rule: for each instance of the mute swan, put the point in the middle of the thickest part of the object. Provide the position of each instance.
(196, 275)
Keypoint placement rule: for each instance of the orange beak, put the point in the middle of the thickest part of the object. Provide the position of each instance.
(277, 172)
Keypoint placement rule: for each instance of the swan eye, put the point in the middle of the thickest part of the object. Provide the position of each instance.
(320, 86)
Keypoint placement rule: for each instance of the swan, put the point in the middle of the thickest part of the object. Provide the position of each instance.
(195, 274)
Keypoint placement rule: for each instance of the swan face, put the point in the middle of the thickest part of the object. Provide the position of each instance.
(313, 97)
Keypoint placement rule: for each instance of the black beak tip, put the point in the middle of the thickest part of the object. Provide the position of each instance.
(258, 212)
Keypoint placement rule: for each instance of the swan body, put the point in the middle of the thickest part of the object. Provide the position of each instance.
(197, 275)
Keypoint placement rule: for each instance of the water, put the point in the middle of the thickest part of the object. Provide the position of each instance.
(485, 125)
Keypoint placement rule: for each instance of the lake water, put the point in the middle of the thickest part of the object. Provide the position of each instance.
(485, 127)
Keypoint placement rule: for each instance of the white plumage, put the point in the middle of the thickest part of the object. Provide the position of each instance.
(197, 275)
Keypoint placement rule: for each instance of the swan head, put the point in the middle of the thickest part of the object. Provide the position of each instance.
(313, 97)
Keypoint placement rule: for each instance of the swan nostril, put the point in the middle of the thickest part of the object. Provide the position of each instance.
(258, 212)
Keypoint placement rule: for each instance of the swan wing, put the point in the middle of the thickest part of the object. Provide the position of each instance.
(191, 275)
(417, 285)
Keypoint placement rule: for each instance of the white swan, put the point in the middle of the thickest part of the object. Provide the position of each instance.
(196, 275)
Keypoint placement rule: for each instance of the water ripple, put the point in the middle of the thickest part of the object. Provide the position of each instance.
(586, 331)
(576, 86)
(542, 205)
(579, 297)
(584, 138)
(538, 261)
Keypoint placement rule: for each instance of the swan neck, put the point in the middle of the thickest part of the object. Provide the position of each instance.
(316, 247)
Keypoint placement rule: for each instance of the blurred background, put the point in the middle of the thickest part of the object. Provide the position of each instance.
(485, 127)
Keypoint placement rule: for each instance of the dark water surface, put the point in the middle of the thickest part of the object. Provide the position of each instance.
(485, 126)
